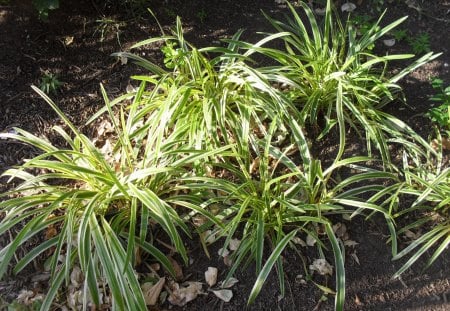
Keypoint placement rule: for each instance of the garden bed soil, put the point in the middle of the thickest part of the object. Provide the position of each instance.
(71, 44)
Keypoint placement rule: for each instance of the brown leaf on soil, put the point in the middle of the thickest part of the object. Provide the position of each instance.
(340, 230)
(177, 268)
(180, 296)
(310, 240)
(211, 276)
(355, 257)
(234, 244)
(445, 144)
(51, 232)
(152, 291)
(229, 283)
(223, 294)
(321, 266)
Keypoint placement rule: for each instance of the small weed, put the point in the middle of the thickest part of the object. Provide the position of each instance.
(378, 5)
(44, 6)
(440, 114)
(400, 34)
(202, 15)
(421, 43)
(50, 83)
(109, 25)
(173, 55)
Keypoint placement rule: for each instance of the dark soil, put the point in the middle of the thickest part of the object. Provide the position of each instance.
(72, 46)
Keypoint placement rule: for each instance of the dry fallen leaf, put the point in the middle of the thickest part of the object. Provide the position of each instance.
(123, 60)
(321, 266)
(223, 252)
(320, 11)
(25, 296)
(234, 244)
(223, 294)
(152, 291)
(227, 261)
(310, 240)
(299, 241)
(340, 230)
(350, 243)
(199, 220)
(229, 283)
(255, 165)
(355, 257)
(68, 40)
(348, 7)
(209, 236)
(177, 268)
(76, 277)
(211, 276)
(389, 42)
(180, 296)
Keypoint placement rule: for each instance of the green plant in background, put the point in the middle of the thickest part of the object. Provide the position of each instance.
(429, 183)
(363, 24)
(50, 83)
(420, 43)
(332, 78)
(108, 25)
(44, 6)
(378, 5)
(400, 34)
(102, 213)
(202, 15)
(440, 115)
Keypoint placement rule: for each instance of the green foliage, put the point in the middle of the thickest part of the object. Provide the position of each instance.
(50, 83)
(420, 43)
(332, 78)
(440, 114)
(108, 25)
(211, 135)
(430, 185)
(400, 34)
(44, 6)
(103, 219)
(202, 15)
(363, 24)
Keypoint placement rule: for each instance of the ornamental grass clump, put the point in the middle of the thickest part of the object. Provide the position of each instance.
(427, 181)
(331, 76)
(102, 204)
(214, 101)
(273, 200)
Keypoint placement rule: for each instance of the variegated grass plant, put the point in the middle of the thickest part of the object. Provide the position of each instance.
(266, 204)
(215, 101)
(427, 180)
(103, 206)
(331, 76)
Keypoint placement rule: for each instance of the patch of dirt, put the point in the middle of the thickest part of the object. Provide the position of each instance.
(73, 46)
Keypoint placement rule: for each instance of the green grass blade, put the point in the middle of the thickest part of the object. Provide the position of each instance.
(268, 266)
